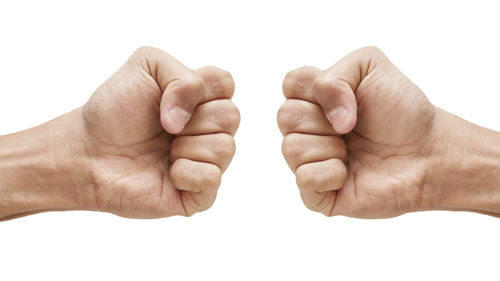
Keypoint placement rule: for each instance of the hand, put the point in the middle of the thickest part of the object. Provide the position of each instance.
(145, 168)
(364, 141)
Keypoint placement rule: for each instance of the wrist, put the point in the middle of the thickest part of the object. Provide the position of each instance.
(45, 168)
(463, 168)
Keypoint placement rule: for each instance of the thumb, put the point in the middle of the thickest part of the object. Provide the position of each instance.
(182, 88)
(334, 89)
(178, 102)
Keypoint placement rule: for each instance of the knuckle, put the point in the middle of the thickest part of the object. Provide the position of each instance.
(291, 146)
(371, 54)
(210, 179)
(373, 51)
(226, 146)
(144, 51)
(224, 77)
(220, 81)
(283, 115)
(227, 115)
(289, 81)
(210, 69)
(287, 115)
(141, 50)
(305, 178)
(293, 81)
(227, 81)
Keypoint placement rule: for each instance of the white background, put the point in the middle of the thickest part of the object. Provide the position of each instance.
(53, 55)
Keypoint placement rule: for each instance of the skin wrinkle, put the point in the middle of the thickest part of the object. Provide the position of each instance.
(104, 143)
(331, 212)
(397, 182)
(119, 207)
(400, 160)
(183, 204)
(206, 162)
(161, 187)
(229, 116)
(196, 205)
(294, 116)
(153, 75)
(121, 152)
(314, 161)
(321, 159)
(305, 86)
(149, 80)
(112, 194)
(392, 155)
(132, 147)
(317, 206)
(152, 68)
(389, 145)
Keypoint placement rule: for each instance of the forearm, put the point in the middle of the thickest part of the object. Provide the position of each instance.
(44, 168)
(464, 166)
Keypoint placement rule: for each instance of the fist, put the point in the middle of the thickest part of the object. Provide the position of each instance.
(356, 136)
(159, 136)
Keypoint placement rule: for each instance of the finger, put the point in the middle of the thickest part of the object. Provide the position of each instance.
(161, 66)
(217, 116)
(219, 83)
(179, 101)
(321, 202)
(298, 116)
(321, 176)
(298, 83)
(216, 149)
(198, 183)
(300, 149)
(318, 184)
(335, 87)
(182, 88)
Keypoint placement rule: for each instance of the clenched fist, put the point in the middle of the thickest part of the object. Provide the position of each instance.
(357, 136)
(152, 141)
(160, 136)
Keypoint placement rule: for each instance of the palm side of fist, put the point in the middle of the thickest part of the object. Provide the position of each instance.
(357, 136)
(159, 136)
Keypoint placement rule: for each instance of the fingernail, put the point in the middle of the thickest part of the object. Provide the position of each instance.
(177, 119)
(339, 118)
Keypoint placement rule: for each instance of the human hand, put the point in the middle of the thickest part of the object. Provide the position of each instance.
(364, 141)
(145, 166)
(152, 141)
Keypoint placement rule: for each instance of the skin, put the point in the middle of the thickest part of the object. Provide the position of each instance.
(152, 141)
(364, 141)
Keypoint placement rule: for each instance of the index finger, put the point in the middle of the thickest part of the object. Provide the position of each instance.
(219, 84)
(298, 83)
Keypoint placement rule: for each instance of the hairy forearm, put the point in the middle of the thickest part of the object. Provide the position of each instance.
(44, 168)
(464, 171)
